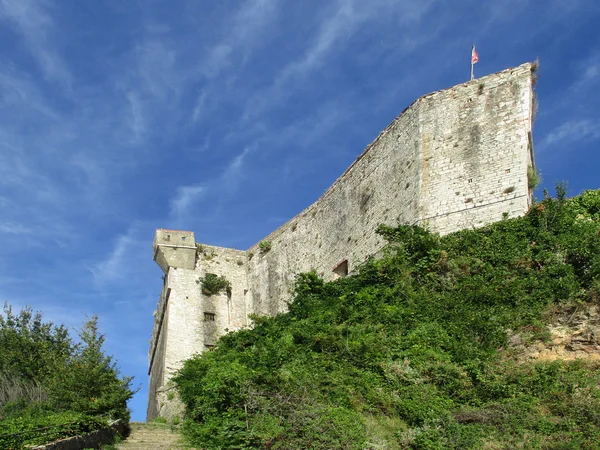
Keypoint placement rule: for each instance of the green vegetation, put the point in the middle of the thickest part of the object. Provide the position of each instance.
(533, 178)
(161, 420)
(49, 381)
(411, 352)
(264, 246)
(34, 429)
(212, 284)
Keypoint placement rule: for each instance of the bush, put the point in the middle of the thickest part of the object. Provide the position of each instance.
(533, 178)
(90, 382)
(264, 246)
(45, 376)
(29, 430)
(212, 284)
(414, 338)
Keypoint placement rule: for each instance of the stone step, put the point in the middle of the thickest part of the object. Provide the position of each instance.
(151, 436)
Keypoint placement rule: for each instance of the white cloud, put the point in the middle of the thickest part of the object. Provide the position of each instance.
(185, 198)
(234, 168)
(137, 118)
(247, 28)
(573, 130)
(113, 267)
(13, 228)
(199, 107)
(589, 73)
(36, 26)
(333, 34)
(242, 33)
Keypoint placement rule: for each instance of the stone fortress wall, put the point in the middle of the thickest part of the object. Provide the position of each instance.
(454, 159)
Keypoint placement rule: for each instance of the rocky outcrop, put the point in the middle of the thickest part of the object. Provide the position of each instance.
(573, 333)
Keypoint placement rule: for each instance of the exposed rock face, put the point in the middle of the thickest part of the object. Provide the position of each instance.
(574, 334)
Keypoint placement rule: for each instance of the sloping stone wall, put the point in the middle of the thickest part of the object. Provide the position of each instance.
(454, 159)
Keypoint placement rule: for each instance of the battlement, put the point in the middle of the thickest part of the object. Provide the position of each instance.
(456, 158)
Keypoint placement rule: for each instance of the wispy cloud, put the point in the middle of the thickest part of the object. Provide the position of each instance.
(589, 73)
(573, 131)
(113, 267)
(199, 106)
(185, 198)
(241, 35)
(137, 119)
(235, 167)
(13, 228)
(334, 33)
(338, 25)
(37, 27)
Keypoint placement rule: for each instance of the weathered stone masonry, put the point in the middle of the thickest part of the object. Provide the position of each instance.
(454, 159)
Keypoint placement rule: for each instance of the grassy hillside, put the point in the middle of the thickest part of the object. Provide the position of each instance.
(411, 351)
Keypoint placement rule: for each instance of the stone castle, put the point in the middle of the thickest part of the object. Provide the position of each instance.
(454, 159)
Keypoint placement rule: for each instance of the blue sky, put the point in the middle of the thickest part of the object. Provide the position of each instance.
(228, 118)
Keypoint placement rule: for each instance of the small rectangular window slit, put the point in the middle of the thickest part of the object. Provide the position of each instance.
(209, 317)
(507, 171)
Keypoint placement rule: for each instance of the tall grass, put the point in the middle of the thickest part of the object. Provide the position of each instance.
(14, 389)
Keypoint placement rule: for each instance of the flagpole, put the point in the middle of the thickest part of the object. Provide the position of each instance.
(472, 63)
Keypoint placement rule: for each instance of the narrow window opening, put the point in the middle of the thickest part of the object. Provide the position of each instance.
(470, 180)
(209, 317)
(507, 171)
(341, 270)
(183, 238)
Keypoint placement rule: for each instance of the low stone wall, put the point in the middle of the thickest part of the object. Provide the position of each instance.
(90, 440)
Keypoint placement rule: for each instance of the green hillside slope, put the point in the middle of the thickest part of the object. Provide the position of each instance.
(413, 351)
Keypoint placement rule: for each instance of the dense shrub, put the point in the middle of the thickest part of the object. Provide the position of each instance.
(90, 382)
(33, 429)
(212, 284)
(47, 379)
(408, 352)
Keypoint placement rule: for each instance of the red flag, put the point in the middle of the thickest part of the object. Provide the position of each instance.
(474, 56)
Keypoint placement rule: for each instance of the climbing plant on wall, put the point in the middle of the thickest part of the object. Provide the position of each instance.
(212, 284)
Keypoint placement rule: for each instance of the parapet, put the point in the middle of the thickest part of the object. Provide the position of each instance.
(174, 248)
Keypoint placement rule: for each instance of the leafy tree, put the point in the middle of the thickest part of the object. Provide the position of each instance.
(31, 353)
(90, 380)
(29, 347)
(43, 371)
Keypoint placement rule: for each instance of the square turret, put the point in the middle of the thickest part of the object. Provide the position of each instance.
(174, 248)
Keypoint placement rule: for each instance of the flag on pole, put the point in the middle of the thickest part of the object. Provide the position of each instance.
(474, 59)
(474, 56)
